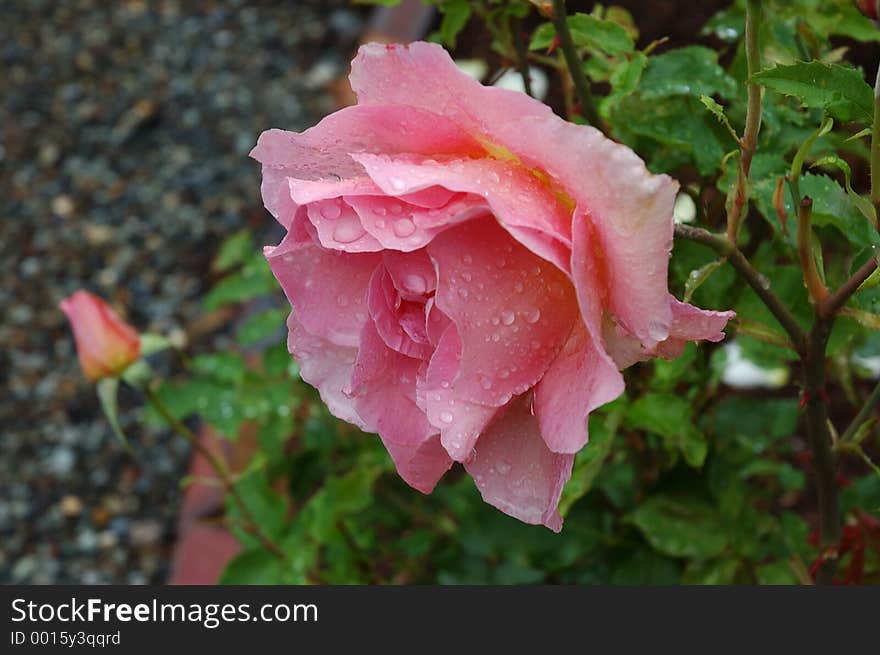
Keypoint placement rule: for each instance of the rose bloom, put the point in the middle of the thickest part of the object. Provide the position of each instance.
(469, 273)
(105, 344)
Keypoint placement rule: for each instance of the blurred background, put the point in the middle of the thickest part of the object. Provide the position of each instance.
(124, 133)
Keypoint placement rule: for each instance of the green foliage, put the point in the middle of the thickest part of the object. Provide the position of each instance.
(839, 90)
(685, 479)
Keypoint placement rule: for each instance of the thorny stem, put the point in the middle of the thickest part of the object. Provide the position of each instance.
(576, 72)
(220, 468)
(819, 437)
(724, 247)
(818, 291)
(749, 142)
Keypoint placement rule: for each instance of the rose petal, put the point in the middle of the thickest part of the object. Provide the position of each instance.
(459, 420)
(383, 384)
(339, 227)
(328, 367)
(516, 472)
(690, 323)
(399, 323)
(525, 206)
(321, 153)
(513, 310)
(412, 273)
(401, 226)
(579, 380)
(327, 289)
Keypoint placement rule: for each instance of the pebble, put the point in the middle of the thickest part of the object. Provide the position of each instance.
(132, 127)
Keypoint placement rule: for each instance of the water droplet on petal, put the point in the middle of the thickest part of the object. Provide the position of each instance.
(380, 211)
(330, 211)
(446, 416)
(342, 300)
(657, 331)
(507, 317)
(415, 283)
(397, 184)
(533, 316)
(404, 227)
(348, 230)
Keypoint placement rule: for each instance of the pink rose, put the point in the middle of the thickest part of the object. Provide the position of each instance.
(468, 273)
(105, 344)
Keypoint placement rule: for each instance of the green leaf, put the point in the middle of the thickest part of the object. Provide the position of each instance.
(153, 343)
(456, 14)
(233, 251)
(261, 326)
(680, 526)
(107, 394)
(862, 204)
(839, 90)
(588, 31)
(222, 366)
(669, 416)
(254, 566)
(699, 138)
(698, 276)
(718, 112)
(691, 71)
(254, 279)
(597, 34)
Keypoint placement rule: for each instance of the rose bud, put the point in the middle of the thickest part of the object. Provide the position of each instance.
(105, 344)
(469, 273)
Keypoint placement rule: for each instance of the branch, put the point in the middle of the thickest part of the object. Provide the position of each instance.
(835, 302)
(581, 83)
(818, 291)
(760, 285)
(220, 468)
(820, 445)
(749, 142)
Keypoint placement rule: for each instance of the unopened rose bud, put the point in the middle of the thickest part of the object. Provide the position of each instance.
(106, 345)
(869, 8)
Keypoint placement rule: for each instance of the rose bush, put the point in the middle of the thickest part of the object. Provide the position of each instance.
(469, 273)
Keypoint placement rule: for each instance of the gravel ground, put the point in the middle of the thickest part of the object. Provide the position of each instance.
(124, 130)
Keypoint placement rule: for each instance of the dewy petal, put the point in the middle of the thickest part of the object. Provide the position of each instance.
(527, 208)
(328, 367)
(578, 381)
(513, 310)
(393, 318)
(321, 153)
(401, 226)
(327, 289)
(690, 323)
(459, 420)
(516, 472)
(412, 273)
(607, 181)
(339, 227)
(383, 385)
